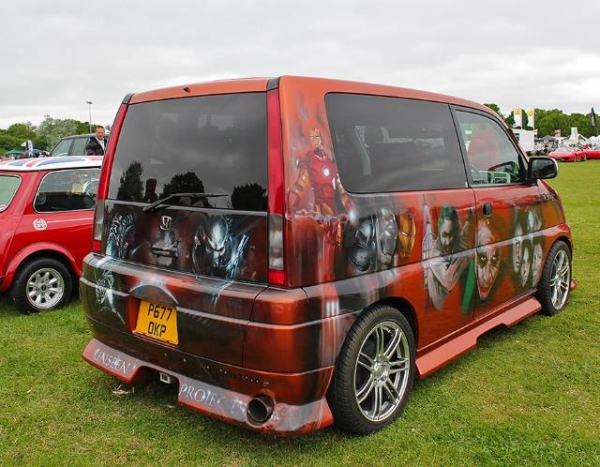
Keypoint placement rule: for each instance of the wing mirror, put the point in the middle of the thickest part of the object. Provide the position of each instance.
(542, 168)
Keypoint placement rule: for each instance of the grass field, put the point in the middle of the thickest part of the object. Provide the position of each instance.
(527, 396)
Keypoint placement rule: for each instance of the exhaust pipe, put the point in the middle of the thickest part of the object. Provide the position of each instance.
(260, 409)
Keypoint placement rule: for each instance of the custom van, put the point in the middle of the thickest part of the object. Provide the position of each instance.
(294, 252)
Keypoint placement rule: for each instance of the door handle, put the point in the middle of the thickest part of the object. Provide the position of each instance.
(487, 209)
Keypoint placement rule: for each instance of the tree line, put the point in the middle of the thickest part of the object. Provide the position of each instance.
(44, 136)
(51, 130)
(546, 122)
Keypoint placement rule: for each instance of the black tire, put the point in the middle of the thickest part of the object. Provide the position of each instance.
(555, 283)
(41, 284)
(374, 372)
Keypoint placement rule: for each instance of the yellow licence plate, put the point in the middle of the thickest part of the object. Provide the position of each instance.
(158, 321)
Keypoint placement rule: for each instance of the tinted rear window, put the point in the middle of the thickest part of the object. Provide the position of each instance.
(385, 144)
(8, 187)
(210, 144)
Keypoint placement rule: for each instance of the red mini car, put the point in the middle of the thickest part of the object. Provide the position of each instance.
(46, 210)
(568, 154)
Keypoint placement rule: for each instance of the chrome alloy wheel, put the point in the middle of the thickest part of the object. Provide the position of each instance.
(560, 280)
(382, 370)
(45, 288)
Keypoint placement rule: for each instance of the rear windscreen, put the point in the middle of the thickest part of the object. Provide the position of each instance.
(211, 144)
(8, 187)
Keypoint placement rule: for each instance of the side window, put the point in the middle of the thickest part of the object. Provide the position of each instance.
(62, 148)
(492, 157)
(79, 145)
(387, 144)
(67, 190)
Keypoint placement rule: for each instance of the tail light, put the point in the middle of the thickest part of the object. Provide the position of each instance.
(104, 175)
(276, 191)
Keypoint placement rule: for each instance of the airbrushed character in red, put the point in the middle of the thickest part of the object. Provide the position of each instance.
(318, 194)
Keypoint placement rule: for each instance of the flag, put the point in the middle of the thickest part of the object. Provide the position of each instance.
(593, 118)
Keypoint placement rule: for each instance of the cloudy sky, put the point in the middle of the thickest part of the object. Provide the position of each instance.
(58, 54)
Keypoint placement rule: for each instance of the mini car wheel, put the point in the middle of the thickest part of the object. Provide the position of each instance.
(555, 283)
(41, 284)
(374, 373)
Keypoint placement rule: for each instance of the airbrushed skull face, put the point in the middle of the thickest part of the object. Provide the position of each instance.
(218, 234)
(488, 260)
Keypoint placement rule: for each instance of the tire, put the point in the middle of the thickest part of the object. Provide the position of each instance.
(41, 284)
(374, 372)
(555, 283)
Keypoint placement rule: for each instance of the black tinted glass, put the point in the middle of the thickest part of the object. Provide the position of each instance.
(212, 144)
(385, 144)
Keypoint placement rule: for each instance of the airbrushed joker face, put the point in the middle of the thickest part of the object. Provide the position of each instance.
(488, 260)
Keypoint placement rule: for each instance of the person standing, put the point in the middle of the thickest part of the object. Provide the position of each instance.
(96, 145)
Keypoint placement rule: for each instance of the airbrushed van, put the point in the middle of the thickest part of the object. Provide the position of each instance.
(294, 252)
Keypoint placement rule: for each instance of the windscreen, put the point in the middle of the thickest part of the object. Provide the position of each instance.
(208, 144)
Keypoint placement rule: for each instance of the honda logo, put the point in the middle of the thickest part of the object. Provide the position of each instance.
(165, 223)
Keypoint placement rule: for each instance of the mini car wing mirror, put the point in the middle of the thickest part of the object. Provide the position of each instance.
(542, 168)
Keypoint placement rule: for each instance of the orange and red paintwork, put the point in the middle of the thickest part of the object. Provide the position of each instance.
(251, 338)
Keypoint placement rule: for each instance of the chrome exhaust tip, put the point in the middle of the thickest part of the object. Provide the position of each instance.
(260, 409)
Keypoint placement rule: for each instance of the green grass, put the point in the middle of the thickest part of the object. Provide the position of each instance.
(526, 396)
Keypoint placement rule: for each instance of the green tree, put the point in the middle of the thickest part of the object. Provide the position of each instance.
(17, 134)
(53, 130)
(130, 184)
(510, 120)
(495, 108)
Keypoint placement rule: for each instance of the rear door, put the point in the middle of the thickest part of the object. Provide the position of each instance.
(509, 242)
(186, 216)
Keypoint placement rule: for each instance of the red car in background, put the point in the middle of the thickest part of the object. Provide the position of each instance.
(46, 212)
(593, 152)
(568, 154)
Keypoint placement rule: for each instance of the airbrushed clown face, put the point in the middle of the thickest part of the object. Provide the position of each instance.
(536, 267)
(526, 264)
(517, 251)
(488, 260)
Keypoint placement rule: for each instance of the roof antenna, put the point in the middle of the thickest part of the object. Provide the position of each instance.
(186, 89)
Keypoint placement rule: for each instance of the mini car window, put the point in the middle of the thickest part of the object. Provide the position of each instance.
(79, 145)
(9, 184)
(67, 190)
(208, 144)
(493, 159)
(385, 144)
(62, 148)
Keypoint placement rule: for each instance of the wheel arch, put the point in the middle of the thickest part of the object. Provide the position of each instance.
(404, 307)
(34, 253)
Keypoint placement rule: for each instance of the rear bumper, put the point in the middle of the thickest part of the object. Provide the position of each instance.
(224, 391)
